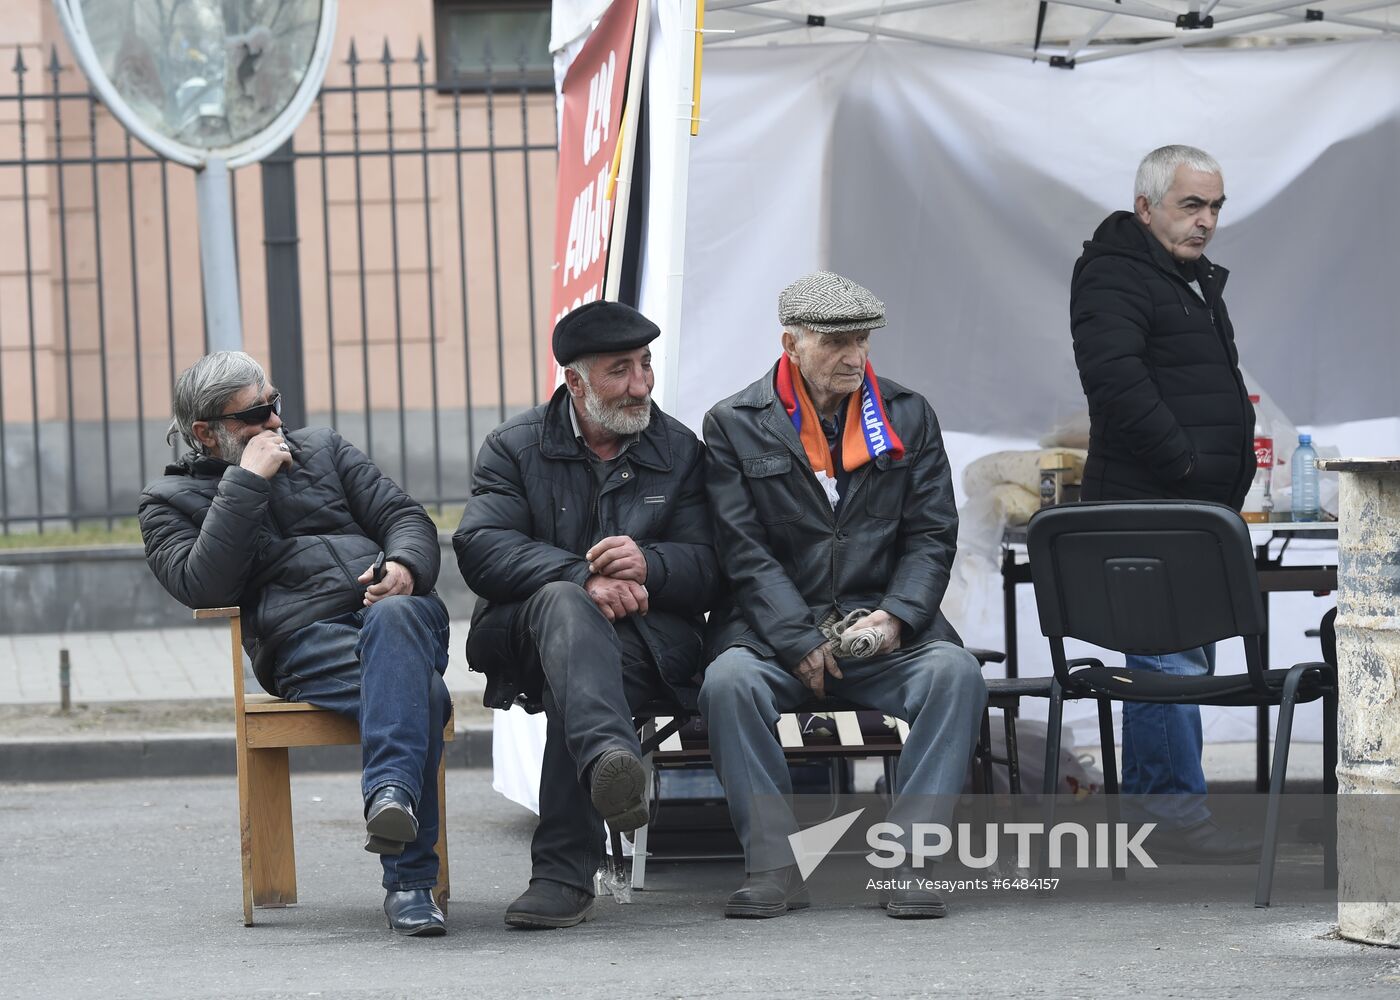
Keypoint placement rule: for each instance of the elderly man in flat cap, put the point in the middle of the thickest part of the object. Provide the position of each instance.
(587, 540)
(835, 524)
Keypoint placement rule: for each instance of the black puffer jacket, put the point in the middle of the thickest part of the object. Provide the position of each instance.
(287, 550)
(537, 507)
(1161, 372)
(791, 559)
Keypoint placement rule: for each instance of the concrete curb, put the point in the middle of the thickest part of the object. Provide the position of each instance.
(182, 755)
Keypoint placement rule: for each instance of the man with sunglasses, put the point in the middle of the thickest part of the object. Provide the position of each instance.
(333, 565)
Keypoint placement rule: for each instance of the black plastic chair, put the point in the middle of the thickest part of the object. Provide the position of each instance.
(1156, 578)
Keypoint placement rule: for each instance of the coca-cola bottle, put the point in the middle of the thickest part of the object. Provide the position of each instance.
(1259, 502)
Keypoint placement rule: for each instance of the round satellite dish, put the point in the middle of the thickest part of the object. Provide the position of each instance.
(199, 79)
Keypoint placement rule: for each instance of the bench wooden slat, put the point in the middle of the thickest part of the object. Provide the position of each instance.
(274, 723)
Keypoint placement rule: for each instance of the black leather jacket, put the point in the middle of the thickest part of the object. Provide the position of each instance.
(288, 549)
(537, 507)
(791, 559)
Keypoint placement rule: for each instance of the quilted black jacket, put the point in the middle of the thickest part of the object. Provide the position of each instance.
(1169, 415)
(287, 550)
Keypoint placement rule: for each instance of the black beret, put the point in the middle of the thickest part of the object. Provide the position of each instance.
(601, 328)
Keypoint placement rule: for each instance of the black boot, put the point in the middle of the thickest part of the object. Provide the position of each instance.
(413, 913)
(389, 821)
(769, 894)
(617, 785)
(908, 900)
(548, 904)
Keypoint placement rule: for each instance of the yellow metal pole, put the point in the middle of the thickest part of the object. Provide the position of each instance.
(699, 52)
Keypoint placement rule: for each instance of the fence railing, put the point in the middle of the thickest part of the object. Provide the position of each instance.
(393, 263)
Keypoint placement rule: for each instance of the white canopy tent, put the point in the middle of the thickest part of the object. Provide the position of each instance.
(952, 156)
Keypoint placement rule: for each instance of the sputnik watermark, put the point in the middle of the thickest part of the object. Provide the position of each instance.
(1096, 845)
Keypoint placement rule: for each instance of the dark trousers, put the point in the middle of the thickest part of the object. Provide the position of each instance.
(382, 666)
(595, 673)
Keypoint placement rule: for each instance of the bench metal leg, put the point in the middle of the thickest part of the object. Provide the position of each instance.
(274, 865)
(639, 837)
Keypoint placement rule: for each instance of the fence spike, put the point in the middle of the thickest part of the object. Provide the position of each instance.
(354, 58)
(420, 57)
(386, 58)
(19, 68)
(55, 67)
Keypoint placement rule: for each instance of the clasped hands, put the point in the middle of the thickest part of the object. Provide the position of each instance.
(617, 582)
(813, 669)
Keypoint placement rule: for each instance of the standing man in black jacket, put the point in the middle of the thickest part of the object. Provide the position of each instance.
(587, 542)
(1169, 418)
(833, 511)
(289, 527)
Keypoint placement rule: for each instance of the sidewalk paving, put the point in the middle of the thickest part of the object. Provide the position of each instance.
(151, 665)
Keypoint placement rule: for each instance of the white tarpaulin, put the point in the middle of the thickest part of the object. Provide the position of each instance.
(959, 186)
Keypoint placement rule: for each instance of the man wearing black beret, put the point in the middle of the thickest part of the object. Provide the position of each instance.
(587, 541)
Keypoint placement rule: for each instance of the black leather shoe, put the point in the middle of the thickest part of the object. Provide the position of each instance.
(617, 786)
(768, 894)
(1204, 843)
(389, 821)
(546, 905)
(907, 900)
(413, 913)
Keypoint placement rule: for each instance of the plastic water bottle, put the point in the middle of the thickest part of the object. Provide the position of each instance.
(1304, 480)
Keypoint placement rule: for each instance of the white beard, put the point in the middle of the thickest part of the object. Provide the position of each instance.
(621, 420)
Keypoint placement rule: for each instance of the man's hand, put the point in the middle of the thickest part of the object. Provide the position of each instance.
(616, 598)
(266, 454)
(815, 666)
(889, 627)
(397, 580)
(618, 557)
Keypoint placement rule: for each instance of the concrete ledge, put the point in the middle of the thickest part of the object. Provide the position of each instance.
(183, 755)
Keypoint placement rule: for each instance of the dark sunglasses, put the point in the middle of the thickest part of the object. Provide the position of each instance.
(254, 414)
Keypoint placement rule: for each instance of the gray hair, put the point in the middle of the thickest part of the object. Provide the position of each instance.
(206, 387)
(582, 366)
(797, 330)
(1158, 169)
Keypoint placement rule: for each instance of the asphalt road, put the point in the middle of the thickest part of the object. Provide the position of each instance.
(131, 889)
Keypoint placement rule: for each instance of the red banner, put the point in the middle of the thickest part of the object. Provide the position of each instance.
(588, 141)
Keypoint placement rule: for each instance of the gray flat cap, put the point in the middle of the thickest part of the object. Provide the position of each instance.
(825, 302)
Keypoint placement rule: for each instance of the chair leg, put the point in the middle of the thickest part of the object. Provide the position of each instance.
(988, 784)
(274, 864)
(1013, 753)
(442, 890)
(245, 828)
(1283, 735)
(1329, 789)
(1110, 773)
(1051, 781)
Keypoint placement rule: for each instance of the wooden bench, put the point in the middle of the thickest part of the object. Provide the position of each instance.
(265, 727)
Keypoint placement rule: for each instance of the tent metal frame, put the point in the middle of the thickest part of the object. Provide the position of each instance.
(1185, 24)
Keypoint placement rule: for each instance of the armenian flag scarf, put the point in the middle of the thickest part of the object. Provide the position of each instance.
(868, 433)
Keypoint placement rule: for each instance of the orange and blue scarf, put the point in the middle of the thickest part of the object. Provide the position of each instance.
(868, 433)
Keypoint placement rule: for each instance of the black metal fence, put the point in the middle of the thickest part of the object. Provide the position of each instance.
(393, 269)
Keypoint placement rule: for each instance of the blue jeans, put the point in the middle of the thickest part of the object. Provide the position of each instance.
(382, 666)
(1162, 746)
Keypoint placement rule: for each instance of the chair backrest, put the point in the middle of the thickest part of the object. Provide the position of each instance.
(1150, 578)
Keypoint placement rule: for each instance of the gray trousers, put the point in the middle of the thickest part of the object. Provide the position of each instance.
(937, 688)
